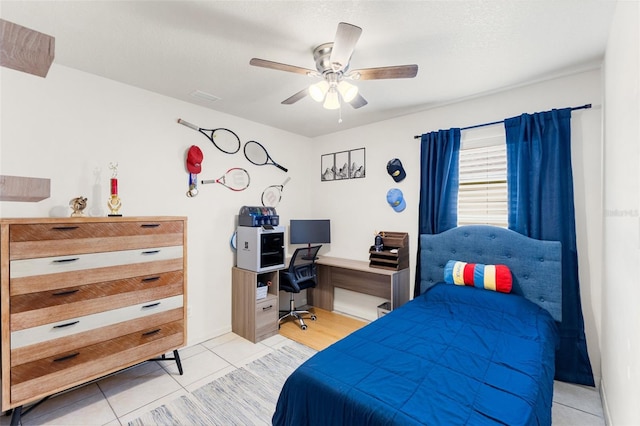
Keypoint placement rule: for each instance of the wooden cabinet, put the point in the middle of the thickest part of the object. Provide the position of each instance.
(85, 297)
(252, 318)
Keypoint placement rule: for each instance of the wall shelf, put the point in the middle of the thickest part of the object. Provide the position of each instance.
(19, 188)
(26, 50)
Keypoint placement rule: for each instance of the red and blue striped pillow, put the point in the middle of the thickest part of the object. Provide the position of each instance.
(488, 277)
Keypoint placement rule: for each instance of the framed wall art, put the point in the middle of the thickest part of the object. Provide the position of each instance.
(343, 165)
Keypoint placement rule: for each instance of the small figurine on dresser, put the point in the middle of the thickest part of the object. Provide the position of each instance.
(78, 205)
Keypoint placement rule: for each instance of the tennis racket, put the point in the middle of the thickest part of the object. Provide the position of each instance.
(223, 139)
(258, 155)
(236, 179)
(272, 195)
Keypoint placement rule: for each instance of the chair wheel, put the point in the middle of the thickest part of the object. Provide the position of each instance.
(313, 317)
(303, 326)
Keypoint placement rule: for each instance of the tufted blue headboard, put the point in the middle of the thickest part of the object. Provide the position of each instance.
(535, 265)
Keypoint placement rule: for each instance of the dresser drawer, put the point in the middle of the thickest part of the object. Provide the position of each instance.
(30, 310)
(267, 313)
(78, 231)
(45, 376)
(55, 330)
(117, 266)
(50, 348)
(42, 240)
(61, 264)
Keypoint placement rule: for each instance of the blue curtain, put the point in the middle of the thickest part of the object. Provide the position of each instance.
(438, 208)
(540, 185)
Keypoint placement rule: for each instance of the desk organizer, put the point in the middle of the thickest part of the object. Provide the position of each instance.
(385, 259)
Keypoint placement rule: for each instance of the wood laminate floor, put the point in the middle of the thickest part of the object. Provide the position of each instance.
(328, 328)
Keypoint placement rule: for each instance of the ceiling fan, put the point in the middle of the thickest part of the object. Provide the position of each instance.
(332, 66)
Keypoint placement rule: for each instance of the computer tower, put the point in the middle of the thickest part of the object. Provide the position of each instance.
(260, 248)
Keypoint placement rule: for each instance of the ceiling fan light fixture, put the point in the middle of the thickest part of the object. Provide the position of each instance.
(332, 101)
(347, 90)
(318, 90)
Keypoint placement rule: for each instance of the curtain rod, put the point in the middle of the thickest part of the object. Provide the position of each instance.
(586, 106)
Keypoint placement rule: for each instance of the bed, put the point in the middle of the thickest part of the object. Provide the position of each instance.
(456, 354)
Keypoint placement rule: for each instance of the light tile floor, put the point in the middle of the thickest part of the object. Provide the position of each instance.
(117, 399)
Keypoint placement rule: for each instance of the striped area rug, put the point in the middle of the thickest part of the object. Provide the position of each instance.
(245, 396)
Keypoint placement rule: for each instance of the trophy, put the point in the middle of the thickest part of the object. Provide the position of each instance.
(114, 202)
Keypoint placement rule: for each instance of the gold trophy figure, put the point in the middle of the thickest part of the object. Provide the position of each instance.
(114, 202)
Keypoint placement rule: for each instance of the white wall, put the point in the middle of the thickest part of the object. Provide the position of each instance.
(621, 292)
(69, 124)
(359, 206)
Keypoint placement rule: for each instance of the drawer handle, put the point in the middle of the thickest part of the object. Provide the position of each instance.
(151, 305)
(65, 292)
(68, 324)
(71, 259)
(266, 308)
(65, 228)
(151, 252)
(150, 279)
(66, 357)
(149, 333)
(149, 225)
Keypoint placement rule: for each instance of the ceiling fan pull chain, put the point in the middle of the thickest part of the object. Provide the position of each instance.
(340, 113)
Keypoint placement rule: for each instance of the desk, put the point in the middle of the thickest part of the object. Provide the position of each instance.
(356, 275)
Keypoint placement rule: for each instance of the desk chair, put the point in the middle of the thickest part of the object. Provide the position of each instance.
(300, 275)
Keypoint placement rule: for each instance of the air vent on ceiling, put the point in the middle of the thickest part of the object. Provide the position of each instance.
(205, 96)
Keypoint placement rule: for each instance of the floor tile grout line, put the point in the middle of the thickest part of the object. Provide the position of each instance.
(578, 409)
(161, 367)
(190, 394)
(108, 402)
(187, 392)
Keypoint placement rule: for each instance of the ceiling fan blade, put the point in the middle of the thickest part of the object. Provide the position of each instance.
(295, 98)
(358, 101)
(281, 67)
(345, 41)
(398, 71)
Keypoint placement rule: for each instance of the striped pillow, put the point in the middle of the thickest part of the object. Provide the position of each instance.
(488, 277)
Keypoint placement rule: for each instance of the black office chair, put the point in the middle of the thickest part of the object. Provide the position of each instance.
(300, 275)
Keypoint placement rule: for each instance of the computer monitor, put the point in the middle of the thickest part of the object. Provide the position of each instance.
(309, 231)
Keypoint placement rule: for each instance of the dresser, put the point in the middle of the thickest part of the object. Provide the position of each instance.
(85, 297)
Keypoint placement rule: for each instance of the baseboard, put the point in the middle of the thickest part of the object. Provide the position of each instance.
(192, 341)
(605, 406)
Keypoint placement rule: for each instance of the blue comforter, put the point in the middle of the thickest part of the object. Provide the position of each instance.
(453, 356)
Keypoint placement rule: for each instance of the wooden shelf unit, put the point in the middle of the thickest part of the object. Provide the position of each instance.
(252, 318)
(385, 259)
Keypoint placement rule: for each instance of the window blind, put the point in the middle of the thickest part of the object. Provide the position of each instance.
(482, 194)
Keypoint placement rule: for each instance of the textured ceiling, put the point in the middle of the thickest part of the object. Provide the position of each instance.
(463, 49)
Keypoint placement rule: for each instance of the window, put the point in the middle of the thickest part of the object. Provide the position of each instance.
(482, 195)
